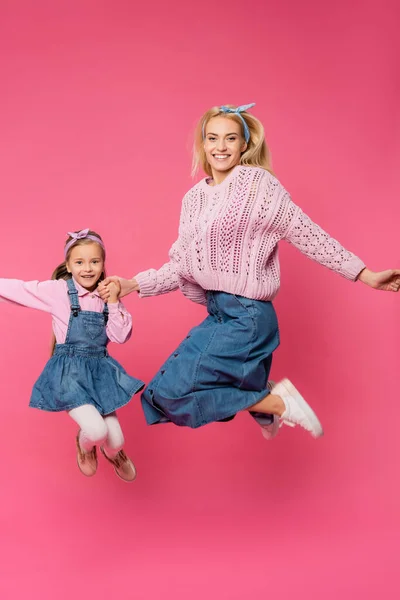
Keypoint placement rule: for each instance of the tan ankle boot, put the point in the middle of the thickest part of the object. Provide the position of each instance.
(123, 466)
(87, 461)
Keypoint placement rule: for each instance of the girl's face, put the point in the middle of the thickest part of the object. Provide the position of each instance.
(86, 264)
(223, 145)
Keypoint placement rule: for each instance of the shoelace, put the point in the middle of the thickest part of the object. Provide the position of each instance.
(270, 385)
(91, 454)
(119, 459)
(84, 455)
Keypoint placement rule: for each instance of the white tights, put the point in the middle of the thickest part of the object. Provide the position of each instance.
(96, 429)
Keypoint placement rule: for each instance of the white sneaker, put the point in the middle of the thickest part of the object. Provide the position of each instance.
(297, 412)
(268, 430)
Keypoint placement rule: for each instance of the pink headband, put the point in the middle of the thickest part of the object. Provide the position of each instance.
(81, 235)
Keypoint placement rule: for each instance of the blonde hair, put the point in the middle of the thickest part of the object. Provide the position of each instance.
(61, 272)
(257, 153)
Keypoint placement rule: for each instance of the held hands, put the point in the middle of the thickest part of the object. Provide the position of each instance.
(113, 290)
(123, 287)
(387, 281)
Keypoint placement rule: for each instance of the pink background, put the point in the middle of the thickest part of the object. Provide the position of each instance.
(97, 108)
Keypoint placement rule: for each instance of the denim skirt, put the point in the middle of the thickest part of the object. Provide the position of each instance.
(220, 368)
(81, 375)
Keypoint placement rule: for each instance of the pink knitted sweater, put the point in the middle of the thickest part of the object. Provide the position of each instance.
(228, 240)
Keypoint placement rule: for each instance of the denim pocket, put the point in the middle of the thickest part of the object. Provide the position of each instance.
(246, 304)
(94, 327)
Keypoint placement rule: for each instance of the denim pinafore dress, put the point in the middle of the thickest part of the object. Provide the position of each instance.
(81, 371)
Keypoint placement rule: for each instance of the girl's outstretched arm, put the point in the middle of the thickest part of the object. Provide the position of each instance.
(41, 295)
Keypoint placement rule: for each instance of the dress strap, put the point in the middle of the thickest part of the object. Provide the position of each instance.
(105, 313)
(73, 297)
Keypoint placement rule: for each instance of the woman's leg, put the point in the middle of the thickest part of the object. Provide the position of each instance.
(271, 405)
(286, 402)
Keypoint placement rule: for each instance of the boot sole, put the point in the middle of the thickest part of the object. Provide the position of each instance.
(85, 474)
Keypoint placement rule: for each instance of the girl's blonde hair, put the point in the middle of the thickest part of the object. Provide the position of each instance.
(257, 153)
(61, 272)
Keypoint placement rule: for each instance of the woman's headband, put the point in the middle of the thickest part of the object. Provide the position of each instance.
(236, 111)
(81, 235)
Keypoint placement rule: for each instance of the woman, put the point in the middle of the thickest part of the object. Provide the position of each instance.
(226, 257)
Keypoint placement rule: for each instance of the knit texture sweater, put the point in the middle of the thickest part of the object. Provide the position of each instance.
(228, 240)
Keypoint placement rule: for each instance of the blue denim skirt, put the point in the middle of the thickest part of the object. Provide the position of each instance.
(81, 375)
(220, 368)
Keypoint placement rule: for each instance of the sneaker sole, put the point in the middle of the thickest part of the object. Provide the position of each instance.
(317, 430)
(268, 431)
(272, 432)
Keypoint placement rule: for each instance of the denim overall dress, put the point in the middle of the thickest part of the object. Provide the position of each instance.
(81, 371)
(220, 368)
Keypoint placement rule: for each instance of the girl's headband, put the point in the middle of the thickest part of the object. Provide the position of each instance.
(236, 111)
(81, 235)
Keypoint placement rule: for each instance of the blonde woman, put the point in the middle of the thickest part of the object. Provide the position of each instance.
(226, 257)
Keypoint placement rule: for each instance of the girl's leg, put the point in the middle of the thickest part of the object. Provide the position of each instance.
(287, 403)
(113, 452)
(115, 438)
(93, 430)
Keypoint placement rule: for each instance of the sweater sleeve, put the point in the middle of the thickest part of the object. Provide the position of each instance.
(41, 295)
(119, 325)
(305, 235)
(155, 282)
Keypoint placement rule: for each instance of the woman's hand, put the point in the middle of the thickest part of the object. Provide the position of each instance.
(125, 287)
(387, 281)
(111, 291)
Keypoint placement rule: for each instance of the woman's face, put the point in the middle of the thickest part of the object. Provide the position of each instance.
(223, 144)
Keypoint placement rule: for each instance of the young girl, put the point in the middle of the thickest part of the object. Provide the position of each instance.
(81, 377)
(226, 257)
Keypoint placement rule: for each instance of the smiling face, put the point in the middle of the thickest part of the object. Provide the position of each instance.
(86, 263)
(224, 145)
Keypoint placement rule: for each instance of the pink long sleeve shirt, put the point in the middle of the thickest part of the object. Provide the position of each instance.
(228, 240)
(52, 297)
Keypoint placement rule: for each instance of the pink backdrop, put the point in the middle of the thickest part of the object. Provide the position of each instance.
(98, 104)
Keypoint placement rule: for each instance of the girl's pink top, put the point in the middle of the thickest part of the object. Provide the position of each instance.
(228, 240)
(52, 297)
